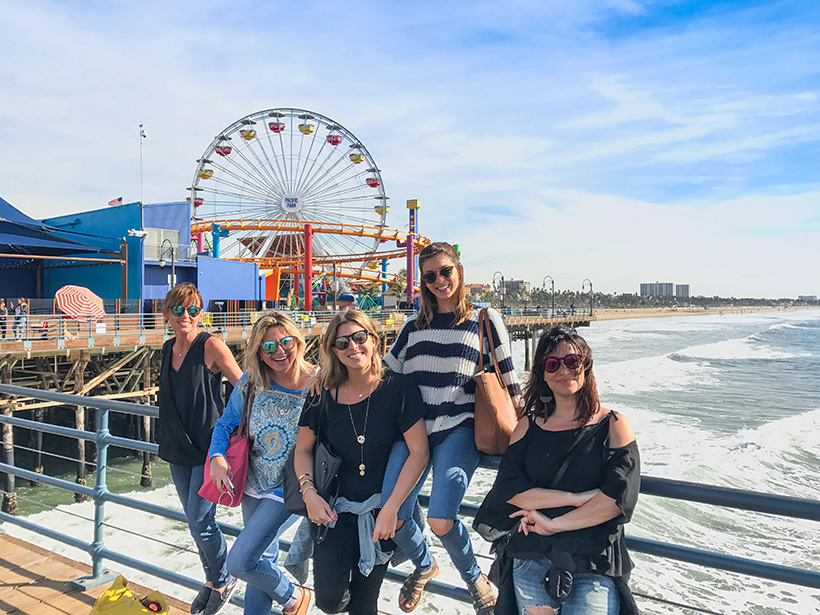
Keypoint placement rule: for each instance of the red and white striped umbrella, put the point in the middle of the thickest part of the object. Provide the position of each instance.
(78, 301)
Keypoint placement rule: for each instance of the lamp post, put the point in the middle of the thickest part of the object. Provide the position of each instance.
(552, 292)
(588, 281)
(173, 263)
(500, 287)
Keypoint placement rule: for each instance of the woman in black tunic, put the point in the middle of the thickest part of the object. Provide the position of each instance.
(565, 487)
(190, 402)
(359, 415)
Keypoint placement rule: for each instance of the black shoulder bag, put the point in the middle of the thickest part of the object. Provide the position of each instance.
(325, 467)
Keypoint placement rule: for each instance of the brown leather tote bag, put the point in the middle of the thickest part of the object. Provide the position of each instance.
(495, 416)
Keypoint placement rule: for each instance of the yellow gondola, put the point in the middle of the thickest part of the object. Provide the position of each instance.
(248, 133)
(205, 174)
(356, 158)
(382, 209)
(306, 129)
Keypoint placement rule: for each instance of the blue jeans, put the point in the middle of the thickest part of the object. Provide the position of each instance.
(201, 515)
(453, 462)
(592, 594)
(254, 556)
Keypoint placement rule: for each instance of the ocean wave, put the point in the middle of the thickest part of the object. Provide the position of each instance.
(657, 373)
(738, 349)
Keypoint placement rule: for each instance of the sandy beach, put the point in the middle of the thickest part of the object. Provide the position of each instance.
(617, 314)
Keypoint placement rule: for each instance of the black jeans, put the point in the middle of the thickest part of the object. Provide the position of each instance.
(339, 585)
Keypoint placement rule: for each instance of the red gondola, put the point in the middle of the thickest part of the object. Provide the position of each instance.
(223, 150)
(373, 182)
(334, 139)
(276, 127)
(197, 201)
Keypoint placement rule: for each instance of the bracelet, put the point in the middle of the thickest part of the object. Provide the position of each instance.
(304, 493)
(303, 475)
(305, 481)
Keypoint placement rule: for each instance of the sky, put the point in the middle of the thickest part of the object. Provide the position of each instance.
(623, 141)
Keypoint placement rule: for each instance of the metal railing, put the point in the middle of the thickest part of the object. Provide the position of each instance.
(55, 330)
(48, 330)
(680, 490)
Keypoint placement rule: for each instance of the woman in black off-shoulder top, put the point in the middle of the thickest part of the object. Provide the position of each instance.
(565, 487)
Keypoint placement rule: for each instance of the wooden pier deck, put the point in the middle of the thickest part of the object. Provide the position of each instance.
(34, 581)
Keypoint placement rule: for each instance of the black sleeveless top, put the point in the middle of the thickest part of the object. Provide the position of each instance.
(190, 402)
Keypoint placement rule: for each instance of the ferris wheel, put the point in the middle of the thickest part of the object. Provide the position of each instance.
(289, 165)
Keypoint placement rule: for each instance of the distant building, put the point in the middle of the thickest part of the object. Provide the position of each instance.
(517, 286)
(807, 297)
(682, 291)
(658, 289)
(476, 290)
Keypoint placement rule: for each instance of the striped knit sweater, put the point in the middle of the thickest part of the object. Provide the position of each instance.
(443, 361)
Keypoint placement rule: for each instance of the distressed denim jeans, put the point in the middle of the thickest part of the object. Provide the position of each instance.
(592, 594)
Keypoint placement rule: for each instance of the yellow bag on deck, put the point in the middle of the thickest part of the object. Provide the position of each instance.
(119, 600)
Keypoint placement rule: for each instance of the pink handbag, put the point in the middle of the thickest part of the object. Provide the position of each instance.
(237, 457)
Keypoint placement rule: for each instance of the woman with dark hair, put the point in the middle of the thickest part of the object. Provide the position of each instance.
(564, 489)
(439, 348)
(275, 374)
(190, 402)
(360, 413)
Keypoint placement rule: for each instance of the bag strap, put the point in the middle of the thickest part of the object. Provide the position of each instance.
(573, 450)
(250, 394)
(484, 326)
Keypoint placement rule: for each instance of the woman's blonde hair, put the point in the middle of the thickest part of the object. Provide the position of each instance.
(258, 372)
(178, 295)
(334, 372)
(462, 308)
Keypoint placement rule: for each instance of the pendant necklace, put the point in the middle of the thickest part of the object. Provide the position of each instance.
(360, 437)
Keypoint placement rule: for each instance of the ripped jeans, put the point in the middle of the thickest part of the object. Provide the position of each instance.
(592, 594)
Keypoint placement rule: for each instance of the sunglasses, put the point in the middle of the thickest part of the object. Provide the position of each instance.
(343, 341)
(571, 361)
(193, 311)
(431, 276)
(285, 343)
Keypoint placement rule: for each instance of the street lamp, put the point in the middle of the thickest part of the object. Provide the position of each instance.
(500, 287)
(552, 292)
(173, 263)
(587, 280)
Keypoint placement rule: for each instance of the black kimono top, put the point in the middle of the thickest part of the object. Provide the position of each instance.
(534, 461)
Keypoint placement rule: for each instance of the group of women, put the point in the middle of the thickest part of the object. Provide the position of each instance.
(566, 485)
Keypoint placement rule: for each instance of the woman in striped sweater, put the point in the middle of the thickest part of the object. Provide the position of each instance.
(439, 349)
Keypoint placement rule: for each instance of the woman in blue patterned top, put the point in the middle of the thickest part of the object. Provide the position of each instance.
(275, 373)
(439, 348)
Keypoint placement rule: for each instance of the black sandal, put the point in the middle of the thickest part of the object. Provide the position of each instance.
(413, 587)
(483, 596)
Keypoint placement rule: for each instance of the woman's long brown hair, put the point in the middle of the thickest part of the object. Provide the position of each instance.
(536, 388)
(462, 307)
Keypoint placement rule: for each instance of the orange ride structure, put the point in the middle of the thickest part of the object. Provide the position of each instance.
(298, 194)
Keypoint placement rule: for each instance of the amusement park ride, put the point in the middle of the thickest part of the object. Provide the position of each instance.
(298, 194)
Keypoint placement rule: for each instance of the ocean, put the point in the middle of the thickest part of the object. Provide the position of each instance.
(729, 400)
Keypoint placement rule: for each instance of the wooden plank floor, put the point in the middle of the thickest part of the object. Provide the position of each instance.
(34, 581)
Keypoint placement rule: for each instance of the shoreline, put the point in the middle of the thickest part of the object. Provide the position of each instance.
(627, 313)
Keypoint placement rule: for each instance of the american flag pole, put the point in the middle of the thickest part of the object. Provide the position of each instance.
(142, 136)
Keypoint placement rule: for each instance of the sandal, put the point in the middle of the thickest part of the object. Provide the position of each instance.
(483, 596)
(302, 602)
(413, 587)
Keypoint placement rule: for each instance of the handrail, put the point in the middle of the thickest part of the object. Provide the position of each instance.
(661, 487)
(114, 329)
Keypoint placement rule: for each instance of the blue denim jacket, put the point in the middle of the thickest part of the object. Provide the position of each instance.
(274, 425)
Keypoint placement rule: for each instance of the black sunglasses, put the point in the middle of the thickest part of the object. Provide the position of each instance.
(285, 343)
(571, 361)
(343, 341)
(193, 310)
(431, 276)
